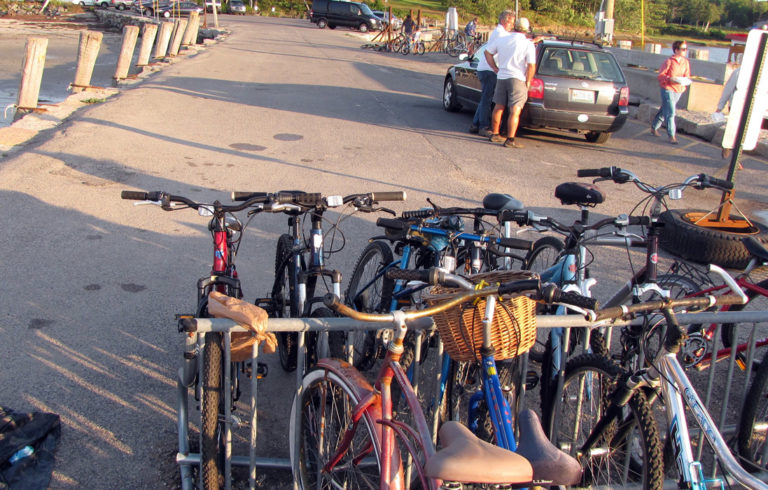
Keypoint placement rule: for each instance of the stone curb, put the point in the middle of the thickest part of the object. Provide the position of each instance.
(699, 124)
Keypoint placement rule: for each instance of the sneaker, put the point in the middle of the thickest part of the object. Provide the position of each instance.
(497, 138)
(510, 143)
(486, 132)
(654, 132)
(474, 129)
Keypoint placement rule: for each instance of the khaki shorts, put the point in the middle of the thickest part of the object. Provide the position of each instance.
(510, 92)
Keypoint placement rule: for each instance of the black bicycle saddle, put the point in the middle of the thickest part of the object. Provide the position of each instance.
(497, 202)
(579, 193)
(756, 248)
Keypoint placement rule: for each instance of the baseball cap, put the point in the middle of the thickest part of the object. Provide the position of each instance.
(522, 24)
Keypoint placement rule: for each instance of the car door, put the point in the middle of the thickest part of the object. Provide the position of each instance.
(468, 87)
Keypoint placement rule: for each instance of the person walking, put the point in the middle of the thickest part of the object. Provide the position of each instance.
(408, 25)
(674, 77)
(514, 73)
(481, 122)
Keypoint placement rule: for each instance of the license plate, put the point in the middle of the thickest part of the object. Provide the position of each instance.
(586, 96)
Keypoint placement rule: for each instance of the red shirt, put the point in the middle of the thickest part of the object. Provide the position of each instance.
(674, 66)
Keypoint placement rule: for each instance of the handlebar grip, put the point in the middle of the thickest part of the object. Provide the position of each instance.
(575, 299)
(423, 275)
(393, 224)
(518, 216)
(388, 196)
(640, 220)
(516, 243)
(519, 286)
(244, 196)
(419, 213)
(709, 181)
(135, 195)
(594, 172)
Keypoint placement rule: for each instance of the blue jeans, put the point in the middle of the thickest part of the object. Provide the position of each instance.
(667, 111)
(482, 117)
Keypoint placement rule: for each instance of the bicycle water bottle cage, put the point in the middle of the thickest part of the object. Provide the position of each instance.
(498, 202)
(580, 194)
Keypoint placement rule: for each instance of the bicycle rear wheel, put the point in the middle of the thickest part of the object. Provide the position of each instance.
(628, 451)
(544, 255)
(325, 407)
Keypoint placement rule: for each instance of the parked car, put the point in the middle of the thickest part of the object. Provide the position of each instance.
(396, 22)
(333, 13)
(121, 4)
(236, 7)
(166, 8)
(577, 87)
(209, 5)
(82, 3)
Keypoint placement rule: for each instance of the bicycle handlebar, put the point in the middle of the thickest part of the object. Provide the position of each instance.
(314, 199)
(166, 199)
(547, 293)
(622, 176)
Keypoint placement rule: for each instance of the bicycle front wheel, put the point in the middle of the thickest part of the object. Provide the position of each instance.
(325, 410)
(628, 451)
(754, 420)
(283, 294)
(212, 431)
(371, 292)
(544, 254)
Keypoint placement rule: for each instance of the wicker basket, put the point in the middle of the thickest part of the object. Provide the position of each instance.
(513, 331)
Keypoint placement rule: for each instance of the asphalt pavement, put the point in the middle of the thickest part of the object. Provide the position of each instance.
(93, 283)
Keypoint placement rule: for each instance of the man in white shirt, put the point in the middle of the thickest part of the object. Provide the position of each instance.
(514, 73)
(482, 121)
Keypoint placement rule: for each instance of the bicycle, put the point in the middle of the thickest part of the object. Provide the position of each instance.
(427, 238)
(343, 432)
(606, 421)
(215, 387)
(300, 264)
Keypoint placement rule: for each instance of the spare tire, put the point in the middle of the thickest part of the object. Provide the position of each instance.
(708, 245)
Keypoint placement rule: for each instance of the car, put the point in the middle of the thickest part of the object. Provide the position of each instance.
(82, 3)
(121, 4)
(333, 13)
(578, 86)
(236, 7)
(166, 8)
(396, 22)
(209, 5)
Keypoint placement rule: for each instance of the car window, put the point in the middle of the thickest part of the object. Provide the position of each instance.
(478, 55)
(593, 65)
(366, 9)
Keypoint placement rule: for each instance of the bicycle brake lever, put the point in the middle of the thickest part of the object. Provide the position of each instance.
(143, 203)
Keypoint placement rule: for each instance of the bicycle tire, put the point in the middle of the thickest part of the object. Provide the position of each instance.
(754, 413)
(727, 330)
(420, 48)
(377, 298)
(283, 293)
(326, 402)
(542, 256)
(637, 430)
(211, 434)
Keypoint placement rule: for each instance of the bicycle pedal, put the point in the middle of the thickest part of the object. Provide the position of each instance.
(267, 304)
(261, 370)
(531, 380)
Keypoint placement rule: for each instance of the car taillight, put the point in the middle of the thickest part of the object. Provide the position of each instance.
(624, 97)
(536, 91)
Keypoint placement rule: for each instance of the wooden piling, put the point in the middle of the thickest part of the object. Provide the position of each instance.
(196, 30)
(148, 34)
(90, 43)
(186, 40)
(163, 38)
(178, 33)
(32, 72)
(130, 35)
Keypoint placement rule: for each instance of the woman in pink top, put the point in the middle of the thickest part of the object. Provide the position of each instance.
(674, 69)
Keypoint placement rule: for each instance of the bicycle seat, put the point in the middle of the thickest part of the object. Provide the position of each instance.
(497, 202)
(756, 248)
(579, 193)
(467, 459)
(550, 465)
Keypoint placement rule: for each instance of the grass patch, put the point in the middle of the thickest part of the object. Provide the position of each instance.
(94, 100)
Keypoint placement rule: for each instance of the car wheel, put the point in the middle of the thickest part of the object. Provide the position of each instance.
(363, 27)
(598, 137)
(322, 23)
(167, 14)
(449, 96)
(120, 6)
